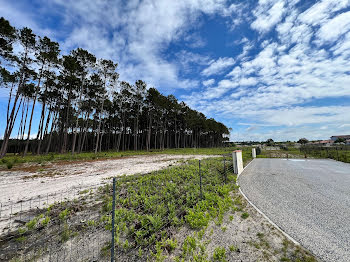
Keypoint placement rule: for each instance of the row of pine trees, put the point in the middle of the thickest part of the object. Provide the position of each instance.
(84, 106)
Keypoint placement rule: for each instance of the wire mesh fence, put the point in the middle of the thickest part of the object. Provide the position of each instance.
(339, 153)
(19, 211)
(129, 221)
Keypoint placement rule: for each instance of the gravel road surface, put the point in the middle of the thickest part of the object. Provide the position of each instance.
(308, 199)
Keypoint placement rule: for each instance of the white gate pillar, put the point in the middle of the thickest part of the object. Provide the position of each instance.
(253, 153)
(237, 162)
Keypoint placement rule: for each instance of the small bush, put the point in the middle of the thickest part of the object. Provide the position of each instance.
(45, 221)
(170, 244)
(219, 254)
(22, 230)
(197, 219)
(21, 239)
(52, 157)
(189, 246)
(9, 165)
(233, 248)
(63, 215)
(32, 223)
(66, 233)
(245, 215)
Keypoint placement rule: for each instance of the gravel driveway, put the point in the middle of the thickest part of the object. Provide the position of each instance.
(308, 199)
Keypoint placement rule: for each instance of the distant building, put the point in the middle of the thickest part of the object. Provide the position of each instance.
(324, 142)
(346, 137)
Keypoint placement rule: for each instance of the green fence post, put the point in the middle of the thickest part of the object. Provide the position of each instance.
(200, 180)
(113, 215)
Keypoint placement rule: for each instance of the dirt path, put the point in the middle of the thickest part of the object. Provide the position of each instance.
(38, 186)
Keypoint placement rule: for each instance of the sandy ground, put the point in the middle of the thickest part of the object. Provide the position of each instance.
(38, 186)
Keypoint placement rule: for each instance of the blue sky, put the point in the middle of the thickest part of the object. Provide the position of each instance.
(278, 69)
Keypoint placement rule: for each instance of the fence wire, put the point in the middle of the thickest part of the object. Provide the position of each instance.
(78, 227)
(339, 153)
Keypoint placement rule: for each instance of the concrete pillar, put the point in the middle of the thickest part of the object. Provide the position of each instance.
(237, 162)
(253, 153)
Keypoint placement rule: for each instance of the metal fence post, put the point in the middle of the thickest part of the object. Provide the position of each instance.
(225, 178)
(337, 153)
(200, 180)
(113, 215)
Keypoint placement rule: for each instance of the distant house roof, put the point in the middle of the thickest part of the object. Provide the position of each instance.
(325, 141)
(342, 136)
(334, 138)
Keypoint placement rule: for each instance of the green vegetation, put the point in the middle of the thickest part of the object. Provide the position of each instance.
(219, 254)
(63, 215)
(339, 153)
(189, 246)
(14, 159)
(233, 248)
(45, 221)
(170, 244)
(148, 205)
(32, 223)
(9, 165)
(282, 153)
(66, 233)
(245, 215)
(21, 239)
(84, 192)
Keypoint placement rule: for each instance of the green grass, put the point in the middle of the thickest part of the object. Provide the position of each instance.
(11, 160)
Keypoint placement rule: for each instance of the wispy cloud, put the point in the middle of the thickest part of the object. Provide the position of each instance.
(218, 66)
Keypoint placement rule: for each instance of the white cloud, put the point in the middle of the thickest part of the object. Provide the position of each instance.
(267, 16)
(189, 61)
(218, 66)
(305, 115)
(248, 81)
(334, 28)
(209, 82)
(235, 72)
(342, 47)
(321, 11)
(246, 48)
